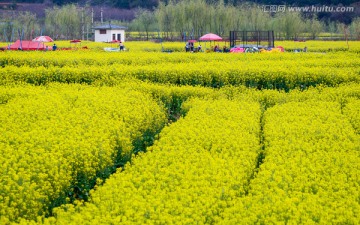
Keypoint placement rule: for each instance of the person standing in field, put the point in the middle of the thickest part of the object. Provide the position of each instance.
(121, 46)
(187, 47)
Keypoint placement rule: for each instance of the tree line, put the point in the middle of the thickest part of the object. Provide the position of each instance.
(194, 18)
(179, 19)
(150, 4)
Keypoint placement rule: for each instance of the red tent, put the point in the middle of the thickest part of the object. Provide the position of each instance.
(29, 45)
(43, 39)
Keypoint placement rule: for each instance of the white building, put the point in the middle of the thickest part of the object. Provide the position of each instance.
(109, 32)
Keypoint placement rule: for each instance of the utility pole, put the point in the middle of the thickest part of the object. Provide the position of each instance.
(101, 15)
(92, 19)
(82, 24)
(92, 16)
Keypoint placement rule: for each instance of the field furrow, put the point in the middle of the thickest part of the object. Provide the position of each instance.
(190, 175)
(311, 169)
(56, 140)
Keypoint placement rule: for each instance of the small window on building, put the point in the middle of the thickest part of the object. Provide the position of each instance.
(113, 37)
(102, 31)
(119, 37)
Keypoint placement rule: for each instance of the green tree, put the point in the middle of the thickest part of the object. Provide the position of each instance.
(70, 18)
(27, 24)
(255, 18)
(355, 28)
(234, 18)
(291, 24)
(179, 12)
(314, 27)
(219, 18)
(145, 20)
(195, 15)
(165, 17)
(7, 26)
(64, 21)
(332, 28)
(52, 24)
(342, 29)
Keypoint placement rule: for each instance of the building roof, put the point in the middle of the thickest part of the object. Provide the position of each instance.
(109, 27)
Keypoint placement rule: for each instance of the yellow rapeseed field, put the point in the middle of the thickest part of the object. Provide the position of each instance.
(147, 136)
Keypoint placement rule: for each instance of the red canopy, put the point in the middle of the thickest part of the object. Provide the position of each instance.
(210, 37)
(43, 39)
(28, 45)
